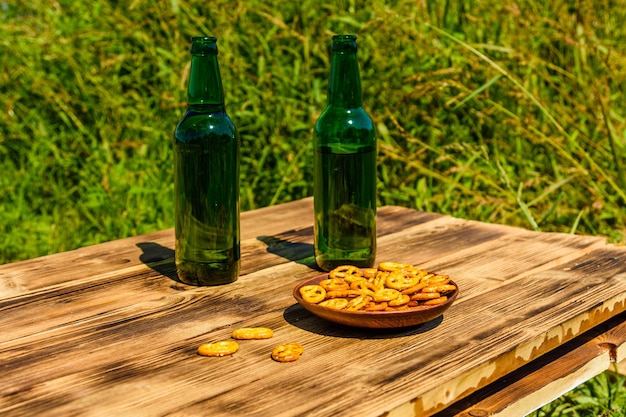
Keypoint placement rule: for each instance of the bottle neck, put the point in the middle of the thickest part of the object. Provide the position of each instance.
(344, 89)
(205, 84)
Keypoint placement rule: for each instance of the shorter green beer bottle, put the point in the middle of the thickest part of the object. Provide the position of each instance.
(345, 168)
(206, 177)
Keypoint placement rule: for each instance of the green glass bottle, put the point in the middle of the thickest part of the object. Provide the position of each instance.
(206, 176)
(345, 168)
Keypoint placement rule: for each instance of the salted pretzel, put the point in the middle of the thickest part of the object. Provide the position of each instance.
(288, 352)
(221, 348)
(401, 280)
(347, 272)
(343, 294)
(358, 303)
(369, 272)
(386, 294)
(416, 288)
(424, 296)
(335, 303)
(374, 306)
(313, 293)
(363, 286)
(379, 280)
(433, 279)
(392, 266)
(249, 333)
(334, 284)
(440, 288)
(403, 299)
(434, 301)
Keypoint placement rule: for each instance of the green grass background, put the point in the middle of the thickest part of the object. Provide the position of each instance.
(508, 112)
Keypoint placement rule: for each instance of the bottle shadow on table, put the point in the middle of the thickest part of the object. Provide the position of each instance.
(298, 252)
(159, 258)
(297, 316)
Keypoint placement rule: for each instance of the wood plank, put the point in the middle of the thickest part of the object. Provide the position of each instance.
(535, 324)
(135, 252)
(554, 374)
(123, 340)
(295, 245)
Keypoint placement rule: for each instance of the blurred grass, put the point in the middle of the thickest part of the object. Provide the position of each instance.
(504, 112)
(509, 113)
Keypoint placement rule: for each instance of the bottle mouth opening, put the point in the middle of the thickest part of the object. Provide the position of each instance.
(344, 43)
(204, 45)
(344, 38)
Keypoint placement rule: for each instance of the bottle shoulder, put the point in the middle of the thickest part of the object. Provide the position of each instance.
(195, 125)
(345, 114)
(343, 125)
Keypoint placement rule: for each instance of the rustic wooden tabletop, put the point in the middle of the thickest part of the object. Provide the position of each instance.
(108, 330)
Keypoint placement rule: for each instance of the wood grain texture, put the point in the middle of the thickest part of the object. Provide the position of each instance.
(108, 329)
(136, 251)
(549, 377)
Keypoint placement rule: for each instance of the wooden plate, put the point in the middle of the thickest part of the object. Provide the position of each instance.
(374, 319)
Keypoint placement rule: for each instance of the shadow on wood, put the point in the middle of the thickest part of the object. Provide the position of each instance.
(297, 316)
(159, 258)
(299, 252)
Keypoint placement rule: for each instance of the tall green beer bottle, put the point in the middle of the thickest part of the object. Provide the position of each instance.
(345, 168)
(206, 177)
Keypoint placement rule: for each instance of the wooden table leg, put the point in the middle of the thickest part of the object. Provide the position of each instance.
(550, 376)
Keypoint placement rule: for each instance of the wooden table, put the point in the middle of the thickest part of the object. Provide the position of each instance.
(107, 330)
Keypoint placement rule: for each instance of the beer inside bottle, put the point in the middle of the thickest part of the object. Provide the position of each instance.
(206, 173)
(345, 168)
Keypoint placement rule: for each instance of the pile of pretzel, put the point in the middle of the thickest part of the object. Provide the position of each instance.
(390, 287)
(287, 352)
